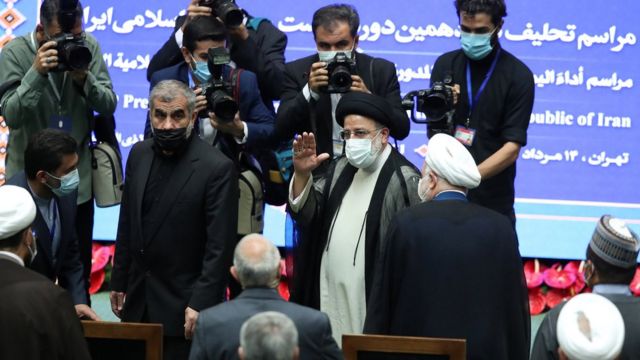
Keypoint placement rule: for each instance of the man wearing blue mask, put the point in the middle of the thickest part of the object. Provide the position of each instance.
(313, 87)
(51, 177)
(342, 217)
(252, 125)
(494, 92)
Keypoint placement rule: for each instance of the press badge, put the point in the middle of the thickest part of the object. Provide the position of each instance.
(60, 122)
(465, 135)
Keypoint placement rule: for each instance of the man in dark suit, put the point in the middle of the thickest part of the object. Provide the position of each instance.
(51, 177)
(253, 125)
(612, 258)
(451, 268)
(305, 104)
(256, 45)
(177, 223)
(257, 267)
(38, 320)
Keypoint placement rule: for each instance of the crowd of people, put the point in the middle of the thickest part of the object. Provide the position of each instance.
(380, 247)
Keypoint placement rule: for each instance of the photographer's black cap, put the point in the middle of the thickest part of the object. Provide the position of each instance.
(369, 105)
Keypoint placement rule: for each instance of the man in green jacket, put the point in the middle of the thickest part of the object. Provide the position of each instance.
(43, 97)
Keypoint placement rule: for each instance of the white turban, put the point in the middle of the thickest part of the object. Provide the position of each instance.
(449, 159)
(17, 210)
(590, 327)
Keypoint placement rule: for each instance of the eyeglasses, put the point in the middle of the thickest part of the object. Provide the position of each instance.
(359, 134)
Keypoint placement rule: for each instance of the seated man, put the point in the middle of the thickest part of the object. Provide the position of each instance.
(257, 266)
(307, 105)
(268, 335)
(611, 264)
(255, 45)
(51, 177)
(590, 327)
(451, 268)
(253, 124)
(38, 320)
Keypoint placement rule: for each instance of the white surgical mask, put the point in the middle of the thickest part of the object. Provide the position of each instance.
(326, 56)
(361, 153)
(423, 189)
(33, 249)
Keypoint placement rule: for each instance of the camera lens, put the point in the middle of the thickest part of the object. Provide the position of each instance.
(78, 57)
(224, 106)
(230, 14)
(436, 106)
(340, 79)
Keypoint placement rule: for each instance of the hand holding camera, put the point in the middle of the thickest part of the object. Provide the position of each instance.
(358, 85)
(234, 127)
(47, 58)
(195, 9)
(226, 10)
(318, 76)
(201, 100)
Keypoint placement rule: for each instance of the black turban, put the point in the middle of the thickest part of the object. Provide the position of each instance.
(369, 105)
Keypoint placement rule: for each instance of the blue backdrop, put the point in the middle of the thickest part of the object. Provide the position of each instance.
(580, 159)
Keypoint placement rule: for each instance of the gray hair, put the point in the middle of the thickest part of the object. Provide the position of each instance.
(268, 335)
(168, 90)
(257, 262)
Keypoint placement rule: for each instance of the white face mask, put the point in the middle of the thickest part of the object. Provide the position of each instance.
(33, 249)
(423, 189)
(326, 56)
(361, 153)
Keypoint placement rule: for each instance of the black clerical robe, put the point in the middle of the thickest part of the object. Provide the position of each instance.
(396, 188)
(452, 269)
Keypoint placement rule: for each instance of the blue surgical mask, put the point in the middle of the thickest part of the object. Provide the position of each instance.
(476, 46)
(201, 72)
(68, 183)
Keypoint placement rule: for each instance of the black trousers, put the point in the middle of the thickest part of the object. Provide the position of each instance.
(84, 229)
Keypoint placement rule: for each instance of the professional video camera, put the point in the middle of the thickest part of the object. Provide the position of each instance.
(218, 91)
(226, 10)
(73, 54)
(340, 69)
(436, 104)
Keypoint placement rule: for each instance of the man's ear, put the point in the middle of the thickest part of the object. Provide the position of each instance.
(355, 42)
(234, 273)
(240, 353)
(186, 55)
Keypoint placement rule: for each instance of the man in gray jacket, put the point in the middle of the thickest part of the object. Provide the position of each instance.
(257, 266)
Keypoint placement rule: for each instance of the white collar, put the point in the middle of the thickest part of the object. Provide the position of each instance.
(12, 257)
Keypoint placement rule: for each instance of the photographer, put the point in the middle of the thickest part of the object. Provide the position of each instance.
(495, 94)
(312, 89)
(255, 45)
(252, 124)
(60, 81)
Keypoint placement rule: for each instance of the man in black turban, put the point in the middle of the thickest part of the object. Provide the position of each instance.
(342, 216)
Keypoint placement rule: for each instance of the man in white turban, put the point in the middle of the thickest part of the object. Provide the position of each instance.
(451, 268)
(612, 258)
(38, 318)
(590, 327)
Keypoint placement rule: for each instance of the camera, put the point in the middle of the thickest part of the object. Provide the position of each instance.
(73, 54)
(340, 69)
(219, 92)
(436, 104)
(226, 10)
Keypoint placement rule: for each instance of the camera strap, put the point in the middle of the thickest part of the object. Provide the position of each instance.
(473, 100)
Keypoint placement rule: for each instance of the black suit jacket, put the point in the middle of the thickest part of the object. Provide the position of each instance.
(68, 269)
(262, 53)
(217, 334)
(184, 261)
(38, 318)
(296, 114)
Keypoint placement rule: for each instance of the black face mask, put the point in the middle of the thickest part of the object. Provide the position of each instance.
(171, 140)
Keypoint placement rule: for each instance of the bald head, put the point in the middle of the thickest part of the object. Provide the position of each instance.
(256, 262)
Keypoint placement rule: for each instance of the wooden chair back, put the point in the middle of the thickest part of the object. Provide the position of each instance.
(456, 349)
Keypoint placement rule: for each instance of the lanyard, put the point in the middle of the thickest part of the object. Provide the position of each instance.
(53, 209)
(473, 100)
